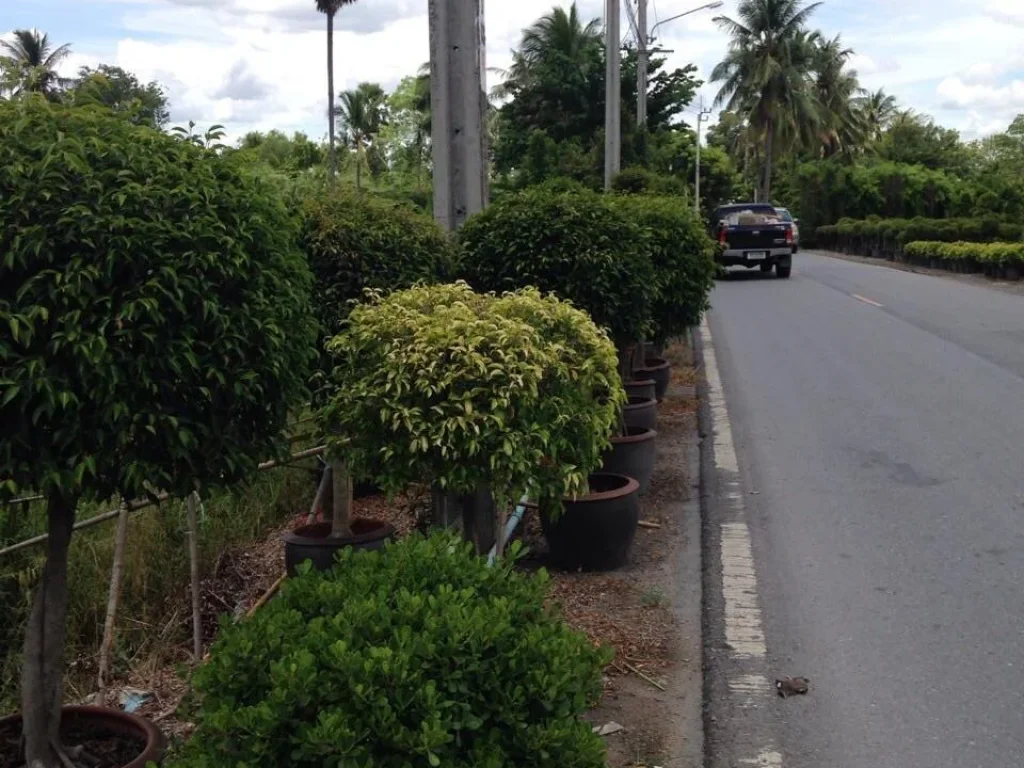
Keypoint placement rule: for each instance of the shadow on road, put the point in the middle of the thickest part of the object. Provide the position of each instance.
(739, 275)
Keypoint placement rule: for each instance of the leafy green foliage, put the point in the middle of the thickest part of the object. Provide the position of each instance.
(683, 259)
(888, 236)
(355, 242)
(155, 310)
(578, 246)
(420, 655)
(636, 179)
(974, 254)
(441, 384)
(120, 91)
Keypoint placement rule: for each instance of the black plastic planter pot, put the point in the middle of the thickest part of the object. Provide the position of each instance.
(641, 413)
(644, 388)
(632, 455)
(132, 734)
(596, 531)
(314, 542)
(658, 370)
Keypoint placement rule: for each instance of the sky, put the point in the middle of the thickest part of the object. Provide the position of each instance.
(261, 64)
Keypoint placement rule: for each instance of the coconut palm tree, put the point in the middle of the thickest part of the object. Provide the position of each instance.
(766, 76)
(877, 111)
(842, 125)
(30, 64)
(330, 8)
(363, 111)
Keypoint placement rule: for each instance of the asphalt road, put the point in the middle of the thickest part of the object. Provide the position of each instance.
(879, 424)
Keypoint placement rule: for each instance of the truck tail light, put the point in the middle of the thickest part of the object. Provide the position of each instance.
(789, 235)
(721, 237)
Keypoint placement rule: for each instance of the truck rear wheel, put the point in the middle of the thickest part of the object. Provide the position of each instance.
(767, 268)
(782, 270)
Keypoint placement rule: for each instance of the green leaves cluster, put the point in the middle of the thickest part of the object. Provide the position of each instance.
(888, 235)
(154, 311)
(577, 245)
(420, 655)
(440, 384)
(973, 254)
(358, 242)
(682, 255)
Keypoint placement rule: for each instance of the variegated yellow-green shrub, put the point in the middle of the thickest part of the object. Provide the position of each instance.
(443, 385)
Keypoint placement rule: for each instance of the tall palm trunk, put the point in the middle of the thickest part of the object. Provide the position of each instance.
(766, 173)
(359, 164)
(333, 163)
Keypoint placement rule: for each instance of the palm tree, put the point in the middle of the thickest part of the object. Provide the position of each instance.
(842, 125)
(766, 75)
(362, 112)
(877, 111)
(30, 64)
(331, 7)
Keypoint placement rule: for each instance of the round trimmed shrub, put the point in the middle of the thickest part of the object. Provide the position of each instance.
(683, 257)
(157, 330)
(576, 245)
(438, 384)
(419, 655)
(356, 242)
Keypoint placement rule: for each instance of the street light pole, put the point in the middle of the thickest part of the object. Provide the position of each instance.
(612, 93)
(716, 4)
(641, 64)
(701, 117)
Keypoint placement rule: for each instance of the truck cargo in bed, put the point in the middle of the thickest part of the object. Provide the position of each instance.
(753, 235)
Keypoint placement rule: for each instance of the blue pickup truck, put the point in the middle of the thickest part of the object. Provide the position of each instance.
(753, 235)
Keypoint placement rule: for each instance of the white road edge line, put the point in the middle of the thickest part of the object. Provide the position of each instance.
(858, 297)
(744, 630)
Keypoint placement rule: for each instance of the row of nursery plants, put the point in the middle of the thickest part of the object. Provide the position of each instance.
(1004, 260)
(886, 238)
(169, 312)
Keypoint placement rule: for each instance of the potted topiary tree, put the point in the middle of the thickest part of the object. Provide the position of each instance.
(471, 391)
(159, 332)
(682, 255)
(419, 655)
(356, 243)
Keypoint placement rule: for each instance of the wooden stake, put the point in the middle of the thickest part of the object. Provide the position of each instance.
(113, 598)
(342, 482)
(323, 495)
(193, 556)
(266, 596)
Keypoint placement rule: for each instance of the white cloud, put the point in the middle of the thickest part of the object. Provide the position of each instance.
(1009, 11)
(957, 94)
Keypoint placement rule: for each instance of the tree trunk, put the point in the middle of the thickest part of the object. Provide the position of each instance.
(766, 179)
(43, 666)
(333, 160)
(359, 165)
(342, 506)
(113, 598)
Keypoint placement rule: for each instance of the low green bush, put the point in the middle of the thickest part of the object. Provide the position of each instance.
(420, 655)
(438, 384)
(682, 256)
(577, 245)
(975, 254)
(877, 236)
(355, 242)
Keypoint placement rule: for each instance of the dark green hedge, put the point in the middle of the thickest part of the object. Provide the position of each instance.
(420, 655)
(995, 259)
(577, 245)
(354, 242)
(682, 255)
(885, 238)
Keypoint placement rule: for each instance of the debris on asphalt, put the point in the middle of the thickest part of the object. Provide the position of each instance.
(607, 729)
(648, 524)
(792, 686)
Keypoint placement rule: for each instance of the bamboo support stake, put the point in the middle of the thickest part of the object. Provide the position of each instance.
(323, 495)
(193, 557)
(113, 599)
(342, 501)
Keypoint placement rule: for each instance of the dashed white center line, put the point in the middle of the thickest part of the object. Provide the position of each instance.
(858, 297)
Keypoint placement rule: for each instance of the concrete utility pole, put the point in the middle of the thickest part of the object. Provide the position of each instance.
(702, 116)
(612, 93)
(642, 56)
(459, 110)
